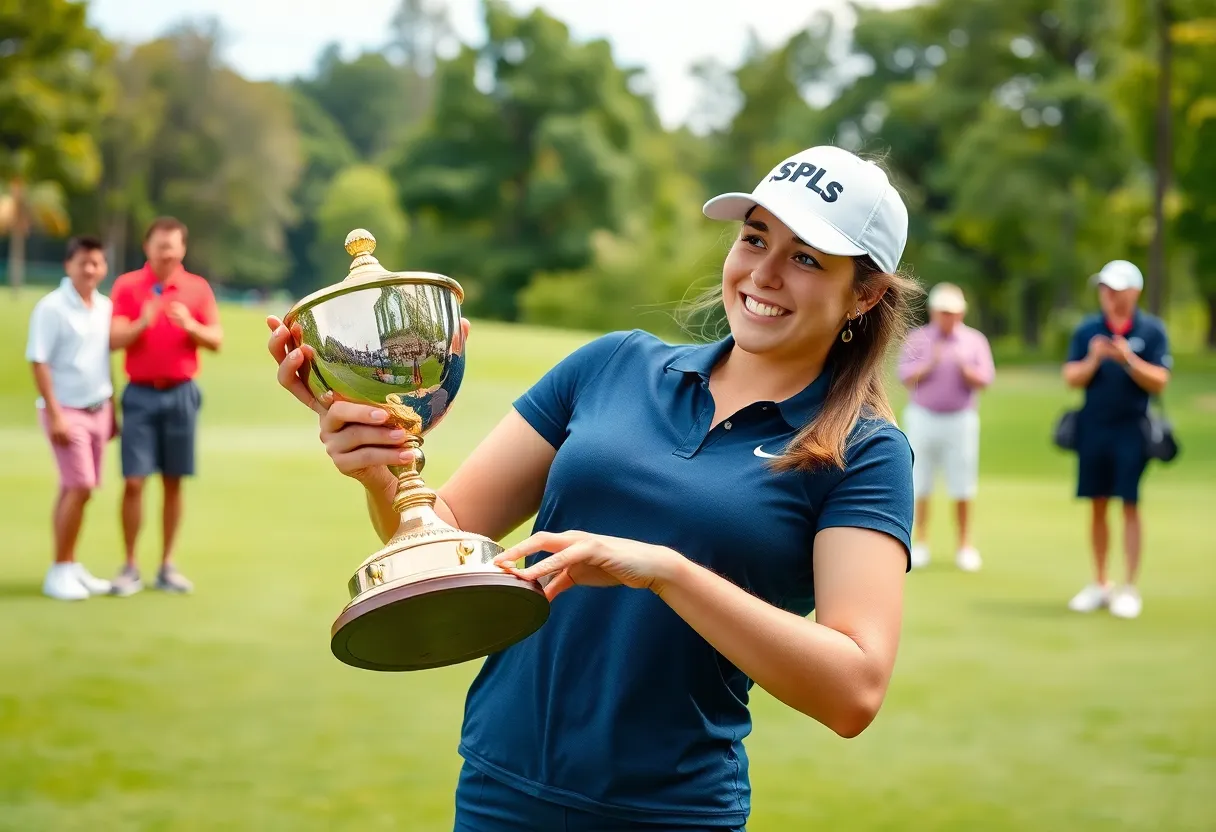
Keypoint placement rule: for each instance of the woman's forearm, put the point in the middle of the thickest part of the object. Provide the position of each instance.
(825, 674)
(380, 489)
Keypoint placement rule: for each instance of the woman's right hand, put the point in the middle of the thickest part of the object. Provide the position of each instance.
(354, 435)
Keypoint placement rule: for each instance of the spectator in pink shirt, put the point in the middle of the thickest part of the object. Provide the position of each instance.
(944, 364)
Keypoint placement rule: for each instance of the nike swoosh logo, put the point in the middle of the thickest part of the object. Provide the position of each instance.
(763, 454)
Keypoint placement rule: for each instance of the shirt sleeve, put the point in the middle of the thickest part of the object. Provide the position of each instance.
(122, 301)
(548, 405)
(208, 312)
(876, 489)
(44, 328)
(1078, 345)
(983, 359)
(914, 355)
(1157, 351)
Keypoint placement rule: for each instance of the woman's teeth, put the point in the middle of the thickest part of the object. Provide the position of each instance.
(757, 308)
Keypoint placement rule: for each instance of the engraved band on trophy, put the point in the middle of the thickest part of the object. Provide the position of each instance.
(432, 596)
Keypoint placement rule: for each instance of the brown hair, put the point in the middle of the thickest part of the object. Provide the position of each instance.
(858, 385)
(166, 224)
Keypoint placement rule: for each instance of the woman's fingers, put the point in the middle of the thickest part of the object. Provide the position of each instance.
(289, 379)
(370, 456)
(539, 542)
(343, 413)
(292, 367)
(567, 551)
(559, 584)
(358, 436)
(277, 345)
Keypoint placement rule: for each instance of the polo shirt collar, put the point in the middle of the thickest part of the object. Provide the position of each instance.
(151, 277)
(70, 294)
(797, 410)
(1131, 326)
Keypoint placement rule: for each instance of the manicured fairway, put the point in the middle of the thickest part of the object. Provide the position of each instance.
(225, 710)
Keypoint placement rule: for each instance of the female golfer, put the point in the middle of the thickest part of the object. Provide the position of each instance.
(694, 504)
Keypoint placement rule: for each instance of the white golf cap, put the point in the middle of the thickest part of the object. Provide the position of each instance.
(1120, 275)
(833, 200)
(946, 297)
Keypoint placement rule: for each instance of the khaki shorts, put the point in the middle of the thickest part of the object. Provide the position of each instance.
(948, 443)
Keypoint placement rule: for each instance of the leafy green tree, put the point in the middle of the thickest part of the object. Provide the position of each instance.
(371, 99)
(188, 136)
(326, 152)
(1195, 162)
(642, 276)
(361, 196)
(993, 117)
(1189, 220)
(50, 80)
(532, 146)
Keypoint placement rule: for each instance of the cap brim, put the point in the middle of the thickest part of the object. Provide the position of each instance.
(951, 308)
(1112, 282)
(814, 230)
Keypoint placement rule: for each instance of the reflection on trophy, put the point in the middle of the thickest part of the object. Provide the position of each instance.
(432, 596)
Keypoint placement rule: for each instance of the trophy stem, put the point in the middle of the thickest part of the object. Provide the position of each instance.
(414, 501)
(412, 491)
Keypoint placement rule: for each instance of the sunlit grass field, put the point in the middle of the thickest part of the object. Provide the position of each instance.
(225, 710)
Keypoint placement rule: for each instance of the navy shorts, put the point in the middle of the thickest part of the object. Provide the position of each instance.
(484, 804)
(1110, 462)
(158, 429)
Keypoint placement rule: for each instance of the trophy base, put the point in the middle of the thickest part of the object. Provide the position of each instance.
(436, 617)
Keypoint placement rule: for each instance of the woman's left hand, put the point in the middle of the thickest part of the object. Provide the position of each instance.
(582, 559)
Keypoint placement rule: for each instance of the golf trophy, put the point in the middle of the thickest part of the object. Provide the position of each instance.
(432, 596)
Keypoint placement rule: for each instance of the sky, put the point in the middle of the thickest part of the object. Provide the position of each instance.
(279, 39)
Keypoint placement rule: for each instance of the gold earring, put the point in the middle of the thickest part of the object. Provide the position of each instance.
(847, 335)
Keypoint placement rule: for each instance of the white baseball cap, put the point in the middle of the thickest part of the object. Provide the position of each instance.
(946, 297)
(835, 201)
(1120, 275)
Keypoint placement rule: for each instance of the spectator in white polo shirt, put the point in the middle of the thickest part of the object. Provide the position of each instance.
(69, 348)
(945, 364)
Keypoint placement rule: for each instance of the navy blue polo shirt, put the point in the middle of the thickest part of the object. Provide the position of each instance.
(616, 706)
(1113, 399)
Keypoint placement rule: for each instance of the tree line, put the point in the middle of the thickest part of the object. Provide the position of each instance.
(1032, 139)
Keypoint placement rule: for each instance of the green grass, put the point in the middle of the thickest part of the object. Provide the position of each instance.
(225, 710)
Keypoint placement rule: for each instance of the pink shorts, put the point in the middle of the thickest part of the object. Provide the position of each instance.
(80, 461)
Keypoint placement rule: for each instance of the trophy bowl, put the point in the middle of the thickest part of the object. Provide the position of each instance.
(432, 596)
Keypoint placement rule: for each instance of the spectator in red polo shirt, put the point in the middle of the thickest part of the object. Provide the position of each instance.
(162, 315)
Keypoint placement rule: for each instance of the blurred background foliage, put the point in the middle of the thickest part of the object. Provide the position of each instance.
(1033, 140)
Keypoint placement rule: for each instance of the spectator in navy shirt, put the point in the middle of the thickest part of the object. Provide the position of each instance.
(694, 504)
(1119, 357)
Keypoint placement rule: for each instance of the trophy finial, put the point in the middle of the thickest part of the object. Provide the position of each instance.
(360, 244)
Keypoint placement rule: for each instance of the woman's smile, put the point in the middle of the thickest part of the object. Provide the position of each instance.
(762, 309)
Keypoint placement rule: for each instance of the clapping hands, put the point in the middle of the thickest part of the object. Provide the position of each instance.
(1116, 348)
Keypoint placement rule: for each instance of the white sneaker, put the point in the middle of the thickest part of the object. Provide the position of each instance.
(95, 586)
(1125, 602)
(62, 584)
(920, 555)
(1091, 598)
(968, 559)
